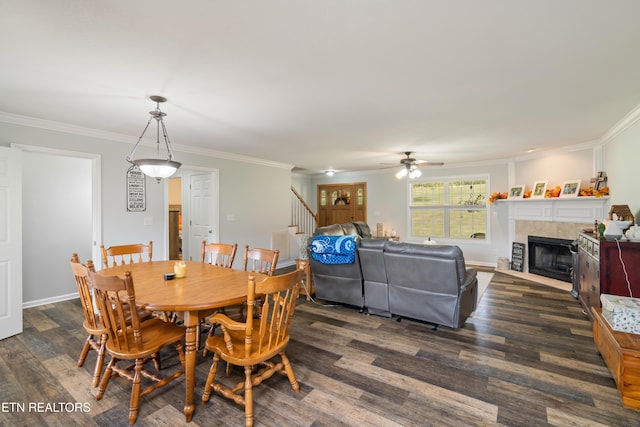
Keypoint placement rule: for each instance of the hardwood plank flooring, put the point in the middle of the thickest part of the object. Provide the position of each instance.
(525, 358)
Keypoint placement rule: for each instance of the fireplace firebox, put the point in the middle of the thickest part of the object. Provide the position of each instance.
(550, 257)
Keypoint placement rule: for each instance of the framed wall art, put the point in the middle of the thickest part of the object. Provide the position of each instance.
(539, 189)
(570, 188)
(136, 190)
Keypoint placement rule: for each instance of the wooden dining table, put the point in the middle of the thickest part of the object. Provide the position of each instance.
(205, 287)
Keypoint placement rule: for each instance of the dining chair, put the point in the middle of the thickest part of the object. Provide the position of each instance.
(220, 254)
(261, 260)
(126, 254)
(256, 342)
(97, 333)
(130, 339)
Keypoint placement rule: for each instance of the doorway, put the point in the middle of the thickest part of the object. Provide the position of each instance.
(340, 203)
(194, 207)
(66, 185)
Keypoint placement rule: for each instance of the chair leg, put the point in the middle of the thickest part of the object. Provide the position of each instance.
(289, 370)
(105, 378)
(85, 351)
(99, 361)
(135, 392)
(210, 378)
(248, 397)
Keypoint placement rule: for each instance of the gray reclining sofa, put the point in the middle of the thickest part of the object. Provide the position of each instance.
(425, 282)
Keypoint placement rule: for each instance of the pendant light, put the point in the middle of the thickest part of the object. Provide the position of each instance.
(157, 168)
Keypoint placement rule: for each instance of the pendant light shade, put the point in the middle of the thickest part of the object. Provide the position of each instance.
(157, 168)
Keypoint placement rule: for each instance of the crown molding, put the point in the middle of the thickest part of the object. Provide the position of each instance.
(624, 124)
(33, 122)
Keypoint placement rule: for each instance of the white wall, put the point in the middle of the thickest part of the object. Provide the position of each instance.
(561, 166)
(622, 160)
(257, 194)
(57, 221)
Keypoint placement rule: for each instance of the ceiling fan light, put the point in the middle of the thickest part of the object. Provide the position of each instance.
(401, 173)
(415, 173)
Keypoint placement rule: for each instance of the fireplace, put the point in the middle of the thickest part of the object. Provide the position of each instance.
(550, 257)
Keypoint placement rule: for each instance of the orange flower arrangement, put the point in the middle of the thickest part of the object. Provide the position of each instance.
(589, 191)
(497, 196)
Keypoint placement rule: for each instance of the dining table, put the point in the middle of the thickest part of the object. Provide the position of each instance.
(205, 287)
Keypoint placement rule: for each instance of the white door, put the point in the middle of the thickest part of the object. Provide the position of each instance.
(10, 242)
(203, 212)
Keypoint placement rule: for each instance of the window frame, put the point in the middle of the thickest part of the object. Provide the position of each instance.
(446, 180)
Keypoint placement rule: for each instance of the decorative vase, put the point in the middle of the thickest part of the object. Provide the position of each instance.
(304, 243)
(612, 232)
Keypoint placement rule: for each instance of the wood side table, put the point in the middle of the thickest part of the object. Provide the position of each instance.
(621, 353)
(308, 289)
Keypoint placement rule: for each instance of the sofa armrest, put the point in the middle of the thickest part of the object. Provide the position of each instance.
(469, 278)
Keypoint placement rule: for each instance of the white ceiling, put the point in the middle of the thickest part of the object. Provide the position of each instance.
(329, 84)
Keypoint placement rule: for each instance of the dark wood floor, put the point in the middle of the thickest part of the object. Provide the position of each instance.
(525, 358)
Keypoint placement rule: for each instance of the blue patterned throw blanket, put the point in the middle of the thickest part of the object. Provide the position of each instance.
(333, 249)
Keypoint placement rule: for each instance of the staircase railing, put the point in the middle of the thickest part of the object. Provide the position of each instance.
(301, 214)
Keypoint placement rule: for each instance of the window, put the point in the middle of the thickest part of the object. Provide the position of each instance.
(449, 208)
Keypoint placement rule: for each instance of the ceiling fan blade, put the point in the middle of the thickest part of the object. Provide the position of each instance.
(428, 163)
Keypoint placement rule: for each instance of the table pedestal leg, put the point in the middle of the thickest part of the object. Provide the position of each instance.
(190, 321)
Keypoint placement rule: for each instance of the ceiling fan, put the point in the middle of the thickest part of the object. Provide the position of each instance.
(410, 166)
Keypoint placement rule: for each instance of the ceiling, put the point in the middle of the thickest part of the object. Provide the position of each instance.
(331, 84)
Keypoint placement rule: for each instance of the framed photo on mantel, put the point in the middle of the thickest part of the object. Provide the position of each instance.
(570, 188)
(516, 192)
(539, 189)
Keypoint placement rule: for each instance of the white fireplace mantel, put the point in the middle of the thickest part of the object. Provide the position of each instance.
(583, 209)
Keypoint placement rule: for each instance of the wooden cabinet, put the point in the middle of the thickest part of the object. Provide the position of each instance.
(604, 268)
(621, 353)
(340, 203)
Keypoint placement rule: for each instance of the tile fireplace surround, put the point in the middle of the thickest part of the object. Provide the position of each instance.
(558, 230)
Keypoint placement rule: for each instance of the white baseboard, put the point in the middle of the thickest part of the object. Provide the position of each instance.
(36, 303)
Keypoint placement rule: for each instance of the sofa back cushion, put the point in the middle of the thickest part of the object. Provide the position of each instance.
(363, 229)
(371, 260)
(438, 268)
(330, 230)
(349, 229)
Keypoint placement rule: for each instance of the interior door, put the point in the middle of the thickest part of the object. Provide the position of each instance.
(203, 212)
(10, 242)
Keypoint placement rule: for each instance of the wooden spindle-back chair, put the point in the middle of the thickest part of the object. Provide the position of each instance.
(129, 338)
(261, 260)
(256, 342)
(126, 254)
(220, 254)
(97, 333)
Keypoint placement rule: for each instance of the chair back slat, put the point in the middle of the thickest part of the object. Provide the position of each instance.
(81, 273)
(280, 295)
(116, 301)
(126, 254)
(220, 254)
(261, 260)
